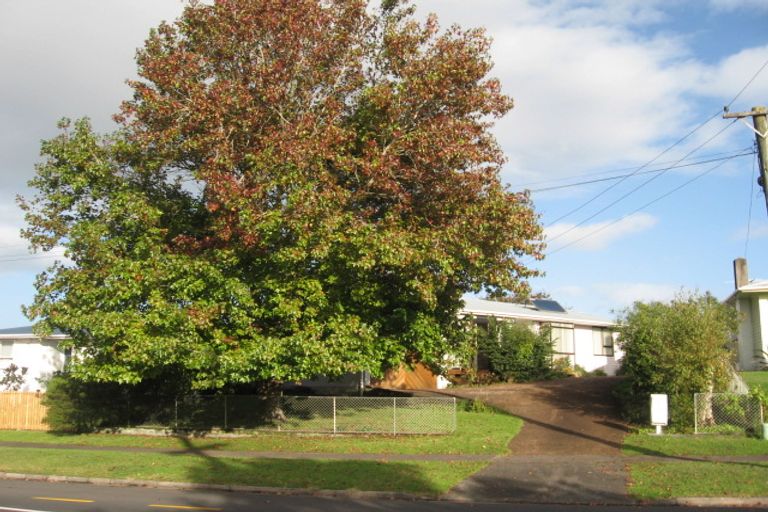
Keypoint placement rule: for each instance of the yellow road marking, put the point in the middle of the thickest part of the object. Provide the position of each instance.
(184, 507)
(69, 500)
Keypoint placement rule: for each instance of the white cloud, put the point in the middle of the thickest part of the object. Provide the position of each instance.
(624, 294)
(591, 91)
(759, 230)
(727, 77)
(599, 235)
(14, 255)
(732, 5)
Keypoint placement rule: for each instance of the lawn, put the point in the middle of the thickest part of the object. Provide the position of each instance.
(662, 479)
(429, 478)
(659, 480)
(756, 379)
(693, 445)
(476, 433)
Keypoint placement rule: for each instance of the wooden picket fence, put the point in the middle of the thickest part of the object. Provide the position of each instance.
(20, 410)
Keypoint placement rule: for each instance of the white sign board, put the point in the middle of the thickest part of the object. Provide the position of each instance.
(659, 410)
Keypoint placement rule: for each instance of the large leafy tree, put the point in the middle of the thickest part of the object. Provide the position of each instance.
(297, 188)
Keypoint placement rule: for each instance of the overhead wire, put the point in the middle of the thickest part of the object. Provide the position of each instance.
(749, 212)
(636, 210)
(637, 170)
(642, 167)
(643, 184)
(529, 185)
(651, 171)
(33, 257)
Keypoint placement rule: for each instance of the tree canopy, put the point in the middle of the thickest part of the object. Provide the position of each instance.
(678, 348)
(296, 188)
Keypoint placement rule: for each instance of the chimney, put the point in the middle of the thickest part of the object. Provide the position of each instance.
(740, 272)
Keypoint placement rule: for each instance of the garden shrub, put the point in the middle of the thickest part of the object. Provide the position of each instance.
(77, 407)
(515, 352)
(678, 348)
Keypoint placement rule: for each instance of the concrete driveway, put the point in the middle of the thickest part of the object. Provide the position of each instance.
(568, 451)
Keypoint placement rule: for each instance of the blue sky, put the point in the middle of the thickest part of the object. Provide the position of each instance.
(600, 88)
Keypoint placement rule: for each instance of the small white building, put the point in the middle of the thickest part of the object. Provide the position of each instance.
(586, 340)
(751, 301)
(40, 356)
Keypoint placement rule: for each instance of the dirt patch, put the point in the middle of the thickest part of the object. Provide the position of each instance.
(562, 417)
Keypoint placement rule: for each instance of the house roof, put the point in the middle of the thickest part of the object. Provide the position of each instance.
(754, 286)
(26, 332)
(481, 307)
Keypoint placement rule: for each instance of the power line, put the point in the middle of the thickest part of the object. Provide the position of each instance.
(663, 169)
(669, 148)
(749, 212)
(646, 205)
(25, 258)
(646, 182)
(618, 170)
(614, 185)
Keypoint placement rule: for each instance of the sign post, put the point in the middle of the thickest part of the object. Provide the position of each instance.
(659, 411)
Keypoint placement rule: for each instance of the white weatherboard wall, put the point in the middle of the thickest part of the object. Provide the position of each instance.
(751, 303)
(41, 358)
(586, 355)
(584, 329)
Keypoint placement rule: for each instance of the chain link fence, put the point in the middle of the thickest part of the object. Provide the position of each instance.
(727, 413)
(312, 414)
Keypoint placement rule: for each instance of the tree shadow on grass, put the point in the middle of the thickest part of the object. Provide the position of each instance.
(310, 474)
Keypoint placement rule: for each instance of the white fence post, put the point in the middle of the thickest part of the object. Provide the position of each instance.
(334, 415)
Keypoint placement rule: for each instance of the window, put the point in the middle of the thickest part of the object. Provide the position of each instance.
(602, 339)
(562, 338)
(5, 349)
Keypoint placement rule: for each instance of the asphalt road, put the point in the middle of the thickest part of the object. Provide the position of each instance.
(27, 496)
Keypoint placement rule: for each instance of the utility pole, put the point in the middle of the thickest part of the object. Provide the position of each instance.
(759, 117)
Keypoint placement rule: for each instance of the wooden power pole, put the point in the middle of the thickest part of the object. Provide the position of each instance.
(759, 117)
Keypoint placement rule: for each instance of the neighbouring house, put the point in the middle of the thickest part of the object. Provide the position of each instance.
(750, 298)
(585, 340)
(40, 356)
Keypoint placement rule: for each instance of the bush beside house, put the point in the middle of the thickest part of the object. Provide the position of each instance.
(679, 348)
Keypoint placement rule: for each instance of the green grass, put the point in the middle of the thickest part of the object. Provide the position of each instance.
(429, 478)
(693, 445)
(650, 480)
(476, 433)
(756, 379)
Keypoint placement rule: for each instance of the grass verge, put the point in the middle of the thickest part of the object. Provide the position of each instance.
(693, 445)
(651, 480)
(477, 433)
(431, 478)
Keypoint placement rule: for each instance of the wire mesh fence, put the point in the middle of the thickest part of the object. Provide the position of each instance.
(727, 413)
(312, 414)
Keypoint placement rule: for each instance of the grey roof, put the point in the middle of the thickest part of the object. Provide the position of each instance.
(754, 286)
(481, 307)
(25, 331)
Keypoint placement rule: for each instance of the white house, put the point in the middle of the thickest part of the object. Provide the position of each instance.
(751, 301)
(41, 357)
(586, 340)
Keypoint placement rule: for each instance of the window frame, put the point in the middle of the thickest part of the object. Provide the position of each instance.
(6, 354)
(605, 349)
(564, 327)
